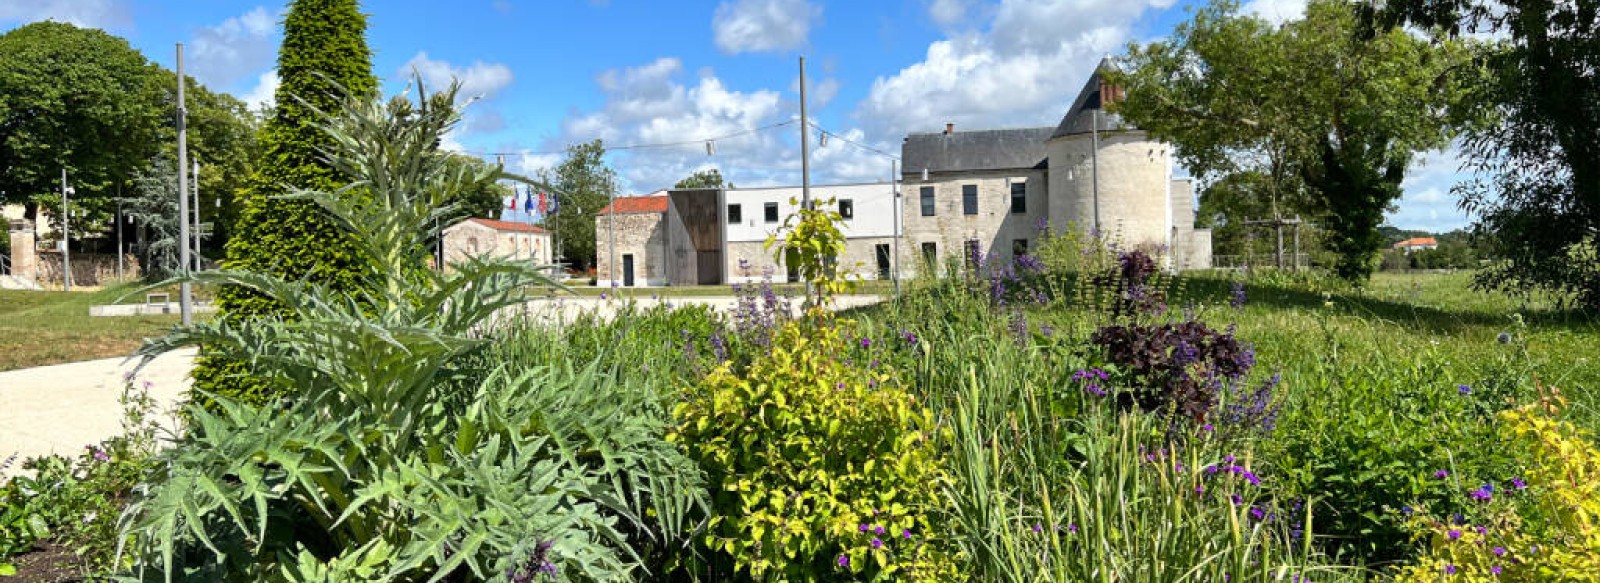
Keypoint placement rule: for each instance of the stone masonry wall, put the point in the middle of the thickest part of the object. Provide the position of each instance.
(994, 227)
(639, 234)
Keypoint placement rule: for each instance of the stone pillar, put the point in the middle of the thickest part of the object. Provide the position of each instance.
(24, 257)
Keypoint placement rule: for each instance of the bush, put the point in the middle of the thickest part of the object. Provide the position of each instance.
(1543, 528)
(819, 471)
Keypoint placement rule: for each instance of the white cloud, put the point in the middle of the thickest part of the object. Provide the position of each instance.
(741, 26)
(85, 13)
(1428, 203)
(1276, 11)
(1024, 69)
(654, 104)
(949, 13)
(237, 49)
(479, 79)
(265, 92)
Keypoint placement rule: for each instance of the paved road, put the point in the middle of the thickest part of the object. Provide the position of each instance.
(66, 407)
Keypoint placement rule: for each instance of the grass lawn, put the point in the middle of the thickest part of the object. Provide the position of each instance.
(50, 327)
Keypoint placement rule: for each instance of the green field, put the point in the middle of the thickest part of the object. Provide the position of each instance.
(39, 328)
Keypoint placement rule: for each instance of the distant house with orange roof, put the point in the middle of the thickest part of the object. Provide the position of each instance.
(477, 237)
(1416, 244)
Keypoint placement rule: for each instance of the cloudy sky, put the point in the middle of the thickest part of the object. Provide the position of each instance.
(648, 72)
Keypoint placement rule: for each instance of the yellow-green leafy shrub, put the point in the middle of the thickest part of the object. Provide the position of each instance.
(1541, 529)
(819, 470)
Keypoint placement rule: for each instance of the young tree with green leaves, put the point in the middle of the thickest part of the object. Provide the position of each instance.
(583, 185)
(1330, 118)
(709, 178)
(324, 57)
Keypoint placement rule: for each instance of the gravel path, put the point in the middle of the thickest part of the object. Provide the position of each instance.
(64, 408)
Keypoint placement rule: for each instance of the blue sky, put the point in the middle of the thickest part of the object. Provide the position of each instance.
(555, 72)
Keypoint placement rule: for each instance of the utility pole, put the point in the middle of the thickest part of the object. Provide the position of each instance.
(1094, 151)
(185, 309)
(894, 187)
(66, 236)
(611, 225)
(805, 155)
(119, 232)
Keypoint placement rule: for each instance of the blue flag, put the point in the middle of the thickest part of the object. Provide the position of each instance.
(527, 203)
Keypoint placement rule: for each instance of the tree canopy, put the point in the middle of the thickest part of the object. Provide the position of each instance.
(583, 184)
(1327, 120)
(709, 178)
(73, 98)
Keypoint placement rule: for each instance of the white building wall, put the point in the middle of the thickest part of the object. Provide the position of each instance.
(873, 217)
(1133, 187)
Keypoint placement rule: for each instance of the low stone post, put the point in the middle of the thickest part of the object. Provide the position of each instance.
(24, 257)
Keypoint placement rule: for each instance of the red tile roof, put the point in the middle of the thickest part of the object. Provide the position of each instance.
(508, 226)
(636, 204)
(1417, 242)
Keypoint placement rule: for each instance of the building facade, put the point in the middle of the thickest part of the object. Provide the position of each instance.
(501, 239)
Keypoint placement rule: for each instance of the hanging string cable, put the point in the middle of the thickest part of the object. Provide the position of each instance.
(853, 142)
(693, 142)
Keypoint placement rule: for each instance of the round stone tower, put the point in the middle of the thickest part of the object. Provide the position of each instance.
(1105, 172)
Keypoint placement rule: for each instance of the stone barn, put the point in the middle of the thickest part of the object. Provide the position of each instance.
(494, 238)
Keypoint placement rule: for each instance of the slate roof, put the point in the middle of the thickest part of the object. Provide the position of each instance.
(975, 150)
(636, 204)
(507, 226)
(1081, 117)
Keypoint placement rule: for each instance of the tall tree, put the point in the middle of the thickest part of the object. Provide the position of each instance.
(1538, 207)
(324, 57)
(1332, 118)
(709, 178)
(223, 139)
(583, 184)
(478, 199)
(78, 99)
(152, 202)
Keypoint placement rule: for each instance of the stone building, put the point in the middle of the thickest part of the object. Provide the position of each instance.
(753, 214)
(993, 191)
(492, 238)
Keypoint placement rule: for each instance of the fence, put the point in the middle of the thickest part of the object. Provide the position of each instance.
(1262, 261)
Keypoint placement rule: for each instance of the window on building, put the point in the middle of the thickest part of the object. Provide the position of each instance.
(930, 253)
(472, 243)
(969, 199)
(770, 212)
(1019, 198)
(735, 214)
(847, 208)
(927, 201)
(1019, 247)
(974, 253)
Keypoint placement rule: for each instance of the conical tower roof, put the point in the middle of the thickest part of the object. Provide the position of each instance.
(1082, 116)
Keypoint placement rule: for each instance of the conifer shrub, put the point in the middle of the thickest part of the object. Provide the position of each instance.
(323, 58)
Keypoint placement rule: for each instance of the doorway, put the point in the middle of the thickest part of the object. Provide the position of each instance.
(882, 252)
(627, 270)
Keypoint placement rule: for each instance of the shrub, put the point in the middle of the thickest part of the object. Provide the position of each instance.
(818, 471)
(1544, 528)
(324, 56)
(1184, 369)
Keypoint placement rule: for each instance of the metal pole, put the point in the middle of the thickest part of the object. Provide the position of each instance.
(196, 188)
(805, 155)
(66, 236)
(611, 225)
(119, 232)
(184, 306)
(1094, 133)
(894, 188)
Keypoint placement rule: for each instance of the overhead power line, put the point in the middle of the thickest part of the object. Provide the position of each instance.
(693, 142)
(854, 143)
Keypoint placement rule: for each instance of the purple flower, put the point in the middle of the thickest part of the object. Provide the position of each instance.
(866, 343)
(1450, 569)
(877, 543)
(1453, 534)
(100, 455)
(878, 530)
(1237, 499)
(1483, 494)
(1208, 428)
(842, 561)
(1519, 484)
(1406, 510)
(1199, 489)
(1072, 528)
(1257, 513)
(906, 533)
(1037, 528)
(1464, 389)
(1495, 569)
(864, 528)
(1499, 551)
(1238, 295)
(1441, 474)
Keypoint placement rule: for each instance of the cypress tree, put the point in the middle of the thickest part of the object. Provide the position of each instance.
(323, 58)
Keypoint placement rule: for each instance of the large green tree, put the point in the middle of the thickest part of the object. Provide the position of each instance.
(1331, 118)
(583, 185)
(324, 57)
(709, 178)
(1538, 205)
(78, 99)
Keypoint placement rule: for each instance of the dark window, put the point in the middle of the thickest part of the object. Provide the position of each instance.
(927, 201)
(1019, 198)
(969, 199)
(735, 214)
(847, 208)
(930, 253)
(881, 251)
(974, 253)
(1019, 247)
(771, 211)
